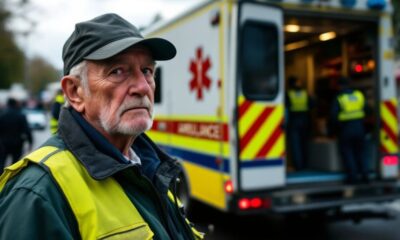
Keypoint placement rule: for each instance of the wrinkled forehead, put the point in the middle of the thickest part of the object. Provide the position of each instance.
(135, 52)
(138, 51)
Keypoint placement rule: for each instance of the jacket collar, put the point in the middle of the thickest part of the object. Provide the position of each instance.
(101, 159)
(98, 164)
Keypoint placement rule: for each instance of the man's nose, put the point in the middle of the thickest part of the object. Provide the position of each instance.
(139, 84)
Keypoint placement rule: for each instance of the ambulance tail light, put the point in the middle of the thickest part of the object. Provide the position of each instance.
(253, 203)
(390, 160)
(244, 203)
(389, 167)
(228, 187)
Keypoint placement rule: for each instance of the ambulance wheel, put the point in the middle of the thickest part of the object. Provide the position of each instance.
(182, 190)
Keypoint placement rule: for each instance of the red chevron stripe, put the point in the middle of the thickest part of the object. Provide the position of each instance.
(391, 107)
(392, 135)
(244, 107)
(271, 141)
(384, 149)
(253, 129)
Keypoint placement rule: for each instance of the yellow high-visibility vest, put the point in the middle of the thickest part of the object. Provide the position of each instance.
(351, 106)
(298, 100)
(102, 209)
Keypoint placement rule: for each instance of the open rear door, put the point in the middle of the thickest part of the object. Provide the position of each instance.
(260, 96)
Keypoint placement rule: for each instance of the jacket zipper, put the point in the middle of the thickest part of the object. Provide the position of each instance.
(163, 211)
(180, 211)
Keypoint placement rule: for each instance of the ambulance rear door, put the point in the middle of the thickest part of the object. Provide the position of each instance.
(260, 97)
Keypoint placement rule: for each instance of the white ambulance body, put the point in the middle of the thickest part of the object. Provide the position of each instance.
(219, 104)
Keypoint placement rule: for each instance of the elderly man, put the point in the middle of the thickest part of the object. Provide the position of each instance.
(99, 177)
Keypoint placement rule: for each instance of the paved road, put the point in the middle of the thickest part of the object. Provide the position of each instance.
(226, 227)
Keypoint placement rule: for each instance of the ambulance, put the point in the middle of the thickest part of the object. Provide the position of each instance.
(220, 103)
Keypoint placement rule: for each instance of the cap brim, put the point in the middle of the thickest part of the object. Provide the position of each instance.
(161, 49)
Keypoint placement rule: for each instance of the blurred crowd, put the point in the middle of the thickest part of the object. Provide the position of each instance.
(14, 132)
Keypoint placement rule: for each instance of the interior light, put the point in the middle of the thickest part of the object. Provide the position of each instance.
(371, 64)
(358, 68)
(327, 36)
(292, 28)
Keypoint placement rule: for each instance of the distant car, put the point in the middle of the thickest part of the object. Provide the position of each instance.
(37, 119)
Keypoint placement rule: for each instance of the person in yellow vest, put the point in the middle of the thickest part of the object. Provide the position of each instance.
(99, 176)
(58, 102)
(347, 120)
(298, 105)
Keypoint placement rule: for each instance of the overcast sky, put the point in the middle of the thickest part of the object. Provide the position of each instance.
(55, 20)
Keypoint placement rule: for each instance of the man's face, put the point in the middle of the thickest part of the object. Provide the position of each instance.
(121, 93)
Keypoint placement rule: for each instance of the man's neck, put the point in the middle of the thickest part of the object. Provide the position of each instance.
(115, 146)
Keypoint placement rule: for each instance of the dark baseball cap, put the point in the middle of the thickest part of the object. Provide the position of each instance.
(106, 36)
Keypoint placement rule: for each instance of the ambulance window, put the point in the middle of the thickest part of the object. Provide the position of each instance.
(259, 60)
(157, 79)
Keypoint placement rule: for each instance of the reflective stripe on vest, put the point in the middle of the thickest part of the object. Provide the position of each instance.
(298, 100)
(102, 209)
(197, 234)
(351, 106)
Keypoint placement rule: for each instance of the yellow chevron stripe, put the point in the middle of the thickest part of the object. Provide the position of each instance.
(241, 99)
(389, 118)
(389, 145)
(278, 148)
(247, 120)
(265, 131)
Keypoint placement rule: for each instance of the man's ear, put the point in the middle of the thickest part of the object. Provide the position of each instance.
(74, 92)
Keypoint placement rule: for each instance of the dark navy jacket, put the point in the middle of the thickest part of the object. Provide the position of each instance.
(33, 207)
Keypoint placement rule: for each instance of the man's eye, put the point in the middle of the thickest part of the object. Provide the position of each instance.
(117, 71)
(147, 71)
(118, 74)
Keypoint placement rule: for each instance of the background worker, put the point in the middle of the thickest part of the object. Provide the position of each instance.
(14, 132)
(347, 118)
(58, 102)
(100, 176)
(298, 105)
